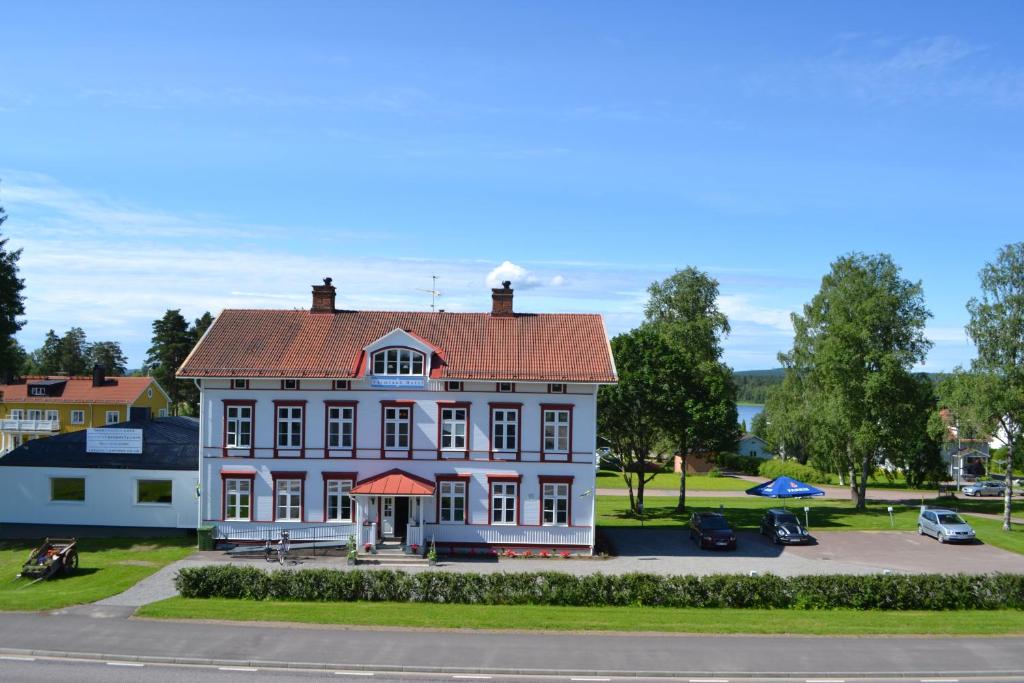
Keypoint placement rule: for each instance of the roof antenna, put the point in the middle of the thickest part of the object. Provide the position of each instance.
(433, 293)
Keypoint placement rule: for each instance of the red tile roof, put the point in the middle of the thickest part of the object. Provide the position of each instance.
(560, 347)
(394, 483)
(80, 390)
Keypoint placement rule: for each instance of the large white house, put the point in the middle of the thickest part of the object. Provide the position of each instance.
(474, 430)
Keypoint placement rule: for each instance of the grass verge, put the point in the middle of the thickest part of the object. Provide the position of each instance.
(105, 567)
(670, 482)
(627, 619)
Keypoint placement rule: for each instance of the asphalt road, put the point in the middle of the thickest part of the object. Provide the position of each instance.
(514, 653)
(43, 670)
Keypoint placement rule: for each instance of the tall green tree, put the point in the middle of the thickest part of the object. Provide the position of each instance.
(46, 359)
(12, 305)
(990, 398)
(630, 413)
(200, 326)
(700, 391)
(74, 352)
(853, 350)
(109, 355)
(172, 341)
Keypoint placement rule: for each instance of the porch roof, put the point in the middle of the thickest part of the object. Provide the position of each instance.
(394, 483)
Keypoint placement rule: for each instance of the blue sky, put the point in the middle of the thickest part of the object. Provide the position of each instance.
(202, 156)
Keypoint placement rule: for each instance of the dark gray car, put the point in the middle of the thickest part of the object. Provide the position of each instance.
(782, 526)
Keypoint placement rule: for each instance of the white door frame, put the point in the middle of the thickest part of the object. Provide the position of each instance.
(387, 521)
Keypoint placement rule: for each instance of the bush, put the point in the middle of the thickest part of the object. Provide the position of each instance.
(732, 462)
(790, 468)
(871, 591)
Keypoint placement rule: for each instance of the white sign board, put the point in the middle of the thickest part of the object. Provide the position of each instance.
(113, 441)
(399, 382)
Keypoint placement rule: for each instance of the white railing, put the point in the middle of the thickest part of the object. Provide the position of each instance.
(414, 535)
(242, 531)
(511, 535)
(29, 425)
(368, 534)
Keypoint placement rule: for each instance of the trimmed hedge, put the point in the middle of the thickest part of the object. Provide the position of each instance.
(745, 464)
(791, 468)
(870, 591)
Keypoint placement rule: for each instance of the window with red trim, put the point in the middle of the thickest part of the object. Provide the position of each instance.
(452, 503)
(289, 426)
(238, 426)
(341, 426)
(339, 506)
(288, 500)
(238, 499)
(397, 425)
(557, 427)
(555, 504)
(505, 430)
(454, 428)
(504, 502)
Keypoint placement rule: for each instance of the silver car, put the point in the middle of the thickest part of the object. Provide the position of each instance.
(985, 488)
(944, 525)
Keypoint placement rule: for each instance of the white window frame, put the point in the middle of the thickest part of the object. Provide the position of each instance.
(454, 386)
(237, 494)
(506, 387)
(337, 491)
(396, 362)
(338, 418)
(17, 414)
(500, 422)
(451, 492)
(557, 493)
(342, 384)
(557, 429)
(116, 415)
(85, 492)
(290, 384)
(239, 384)
(290, 492)
(233, 424)
(454, 427)
(394, 424)
(504, 503)
(35, 414)
(78, 417)
(140, 481)
(556, 389)
(37, 391)
(53, 415)
(162, 412)
(289, 417)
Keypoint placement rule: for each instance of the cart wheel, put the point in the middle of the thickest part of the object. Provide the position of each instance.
(70, 563)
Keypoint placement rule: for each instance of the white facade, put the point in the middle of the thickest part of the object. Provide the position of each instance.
(110, 498)
(556, 472)
(751, 445)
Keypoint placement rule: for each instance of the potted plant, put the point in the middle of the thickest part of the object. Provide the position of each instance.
(352, 550)
(414, 548)
(369, 548)
(432, 553)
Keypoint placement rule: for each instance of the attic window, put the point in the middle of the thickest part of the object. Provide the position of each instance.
(289, 384)
(37, 391)
(398, 362)
(342, 384)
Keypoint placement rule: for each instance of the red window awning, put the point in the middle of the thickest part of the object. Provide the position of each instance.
(394, 483)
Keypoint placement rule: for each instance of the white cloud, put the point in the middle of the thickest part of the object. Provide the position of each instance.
(741, 309)
(520, 277)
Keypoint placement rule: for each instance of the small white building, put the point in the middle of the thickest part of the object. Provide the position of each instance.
(751, 445)
(474, 430)
(135, 477)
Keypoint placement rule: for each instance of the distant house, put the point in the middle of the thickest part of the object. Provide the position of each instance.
(131, 478)
(37, 407)
(751, 445)
(968, 455)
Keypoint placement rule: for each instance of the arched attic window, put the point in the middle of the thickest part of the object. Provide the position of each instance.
(398, 362)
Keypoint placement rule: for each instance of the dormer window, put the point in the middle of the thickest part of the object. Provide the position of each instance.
(37, 391)
(398, 362)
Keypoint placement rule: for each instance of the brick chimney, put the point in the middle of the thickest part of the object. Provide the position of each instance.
(99, 375)
(323, 297)
(501, 300)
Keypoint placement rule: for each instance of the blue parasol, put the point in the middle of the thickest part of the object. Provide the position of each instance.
(784, 487)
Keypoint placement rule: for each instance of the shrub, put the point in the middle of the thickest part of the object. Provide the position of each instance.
(871, 591)
(790, 468)
(744, 464)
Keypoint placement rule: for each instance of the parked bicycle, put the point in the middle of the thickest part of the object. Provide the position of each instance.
(278, 551)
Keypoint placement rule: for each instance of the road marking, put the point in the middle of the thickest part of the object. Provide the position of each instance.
(940, 680)
(237, 668)
(353, 673)
(587, 678)
(16, 658)
(826, 680)
(125, 664)
(472, 677)
(709, 680)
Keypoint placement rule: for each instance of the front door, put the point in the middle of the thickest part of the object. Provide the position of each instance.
(401, 516)
(387, 517)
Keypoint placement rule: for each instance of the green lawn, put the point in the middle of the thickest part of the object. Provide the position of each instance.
(105, 567)
(670, 481)
(558, 618)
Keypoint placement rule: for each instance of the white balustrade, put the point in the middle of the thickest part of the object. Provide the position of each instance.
(414, 535)
(368, 535)
(510, 535)
(248, 531)
(29, 426)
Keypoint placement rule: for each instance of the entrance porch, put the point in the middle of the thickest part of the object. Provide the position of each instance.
(389, 508)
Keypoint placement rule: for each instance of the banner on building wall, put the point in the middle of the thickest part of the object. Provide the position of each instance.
(399, 382)
(113, 441)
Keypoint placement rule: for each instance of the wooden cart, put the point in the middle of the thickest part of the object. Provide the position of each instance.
(54, 556)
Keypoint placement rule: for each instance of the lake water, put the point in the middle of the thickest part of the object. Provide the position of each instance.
(747, 413)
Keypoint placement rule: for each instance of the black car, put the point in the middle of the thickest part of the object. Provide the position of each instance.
(782, 526)
(712, 530)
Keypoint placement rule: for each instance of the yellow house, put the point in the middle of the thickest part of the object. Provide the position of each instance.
(37, 407)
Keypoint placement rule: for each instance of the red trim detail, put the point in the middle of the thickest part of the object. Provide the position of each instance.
(518, 407)
(354, 405)
(556, 406)
(236, 474)
(398, 478)
(554, 479)
(252, 427)
(441, 405)
(301, 476)
(302, 432)
(384, 405)
(466, 478)
(330, 476)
